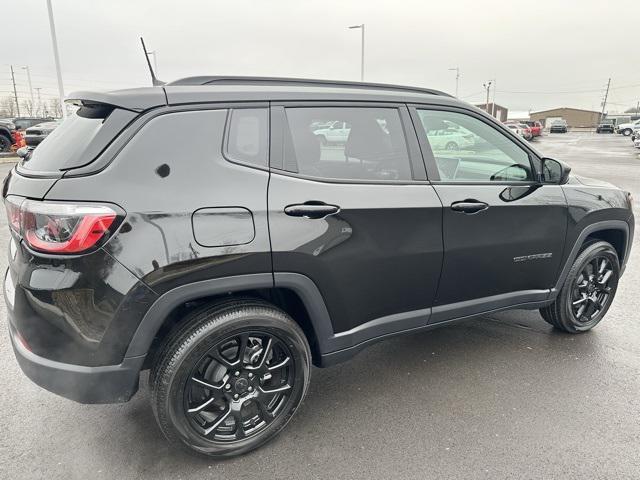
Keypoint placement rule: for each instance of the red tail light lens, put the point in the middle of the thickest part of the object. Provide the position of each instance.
(12, 204)
(52, 227)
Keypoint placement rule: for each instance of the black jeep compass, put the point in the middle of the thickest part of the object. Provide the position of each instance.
(227, 233)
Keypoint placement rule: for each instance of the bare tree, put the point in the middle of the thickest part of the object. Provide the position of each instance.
(54, 108)
(632, 110)
(7, 107)
(27, 106)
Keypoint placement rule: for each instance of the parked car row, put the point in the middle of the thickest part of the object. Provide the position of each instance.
(528, 129)
(18, 131)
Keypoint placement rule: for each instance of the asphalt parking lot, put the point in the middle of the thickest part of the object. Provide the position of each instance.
(500, 396)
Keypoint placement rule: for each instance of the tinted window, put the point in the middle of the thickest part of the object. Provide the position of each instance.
(347, 143)
(68, 141)
(468, 150)
(248, 140)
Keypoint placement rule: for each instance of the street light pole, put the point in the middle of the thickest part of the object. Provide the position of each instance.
(56, 57)
(493, 99)
(457, 70)
(487, 86)
(361, 27)
(26, 67)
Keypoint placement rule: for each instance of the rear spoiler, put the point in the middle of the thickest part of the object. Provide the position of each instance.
(135, 100)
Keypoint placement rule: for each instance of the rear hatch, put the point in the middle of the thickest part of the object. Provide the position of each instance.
(80, 139)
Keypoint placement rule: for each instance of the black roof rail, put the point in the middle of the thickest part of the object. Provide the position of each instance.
(239, 80)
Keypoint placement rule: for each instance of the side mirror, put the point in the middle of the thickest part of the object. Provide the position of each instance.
(554, 171)
(22, 152)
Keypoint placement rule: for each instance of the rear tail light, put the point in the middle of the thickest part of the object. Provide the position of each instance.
(12, 204)
(53, 227)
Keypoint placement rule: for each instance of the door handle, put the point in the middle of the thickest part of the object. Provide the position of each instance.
(311, 210)
(469, 206)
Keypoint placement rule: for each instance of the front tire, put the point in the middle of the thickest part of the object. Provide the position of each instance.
(230, 378)
(626, 132)
(588, 290)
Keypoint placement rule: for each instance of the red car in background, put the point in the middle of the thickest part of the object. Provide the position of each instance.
(535, 127)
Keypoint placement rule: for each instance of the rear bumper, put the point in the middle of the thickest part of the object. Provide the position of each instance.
(84, 384)
(108, 384)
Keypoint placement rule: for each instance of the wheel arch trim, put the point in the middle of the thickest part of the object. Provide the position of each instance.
(302, 285)
(588, 230)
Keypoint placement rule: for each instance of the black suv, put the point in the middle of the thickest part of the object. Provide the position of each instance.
(231, 261)
(7, 129)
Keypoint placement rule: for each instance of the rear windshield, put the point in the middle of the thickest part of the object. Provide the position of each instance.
(67, 142)
(79, 139)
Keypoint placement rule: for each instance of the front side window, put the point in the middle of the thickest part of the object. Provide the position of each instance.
(248, 136)
(347, 143)
(468, 150)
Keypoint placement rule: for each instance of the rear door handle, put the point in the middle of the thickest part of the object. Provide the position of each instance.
(311, 210)
(469, 206)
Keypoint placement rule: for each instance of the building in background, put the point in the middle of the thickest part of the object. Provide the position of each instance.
(575, 117)
(518, 115)
(498, 111)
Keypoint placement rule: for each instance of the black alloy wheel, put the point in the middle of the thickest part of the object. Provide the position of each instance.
(239, 386)
(592, 290)
(230, 377)
(588, 290)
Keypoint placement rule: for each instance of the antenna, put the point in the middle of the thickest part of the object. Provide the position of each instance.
(154, 81)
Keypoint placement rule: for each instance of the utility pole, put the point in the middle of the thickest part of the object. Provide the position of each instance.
(604, 103)
(26, 67)
(56, 56)
(457, 70)
(487, 86)
(15, 91)
(361, 27)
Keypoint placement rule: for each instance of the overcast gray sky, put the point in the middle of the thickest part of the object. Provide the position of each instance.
(560, 52)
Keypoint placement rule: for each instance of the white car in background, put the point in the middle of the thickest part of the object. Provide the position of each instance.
(451, 139)
(627, 129)
(517, 129)
(335, 133)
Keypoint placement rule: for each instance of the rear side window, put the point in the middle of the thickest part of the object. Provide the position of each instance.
(347, 143)
(248, 136)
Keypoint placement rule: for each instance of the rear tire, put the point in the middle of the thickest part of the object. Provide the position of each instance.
(626, 132)
(230, 378)
(5, 143)
(588, 290)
